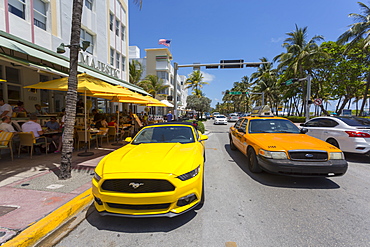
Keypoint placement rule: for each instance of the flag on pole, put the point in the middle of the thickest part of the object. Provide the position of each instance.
(165, 42)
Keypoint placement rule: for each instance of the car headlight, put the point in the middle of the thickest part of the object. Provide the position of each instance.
(273, 155)
(97, 177)
(189, 175)
(336, 156)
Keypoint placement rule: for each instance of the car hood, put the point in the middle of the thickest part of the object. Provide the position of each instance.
(285, 141)
(169, 158)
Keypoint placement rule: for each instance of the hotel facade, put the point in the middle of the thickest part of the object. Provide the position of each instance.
(32, 30)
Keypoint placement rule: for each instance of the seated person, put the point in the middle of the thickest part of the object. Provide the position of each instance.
(39, 110)
(19, 107)
(6, 124)
(33, 126)
(53, 125)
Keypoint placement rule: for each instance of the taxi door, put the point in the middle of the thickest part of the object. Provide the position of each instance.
(237, 134)
(242, 140)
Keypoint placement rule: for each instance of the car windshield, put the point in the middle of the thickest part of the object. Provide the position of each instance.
(272, 126)
(220, 116)
(165, 134)
(356, 121)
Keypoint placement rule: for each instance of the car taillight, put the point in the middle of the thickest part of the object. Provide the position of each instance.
(358, 134)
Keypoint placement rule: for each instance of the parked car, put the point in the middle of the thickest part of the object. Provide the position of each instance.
(214, 114)
(220, 119)
(350, 134)
(276, 145)
(158, 173)
(208, 115)
(233, 117)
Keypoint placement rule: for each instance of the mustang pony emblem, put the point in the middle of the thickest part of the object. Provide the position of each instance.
(135, 185)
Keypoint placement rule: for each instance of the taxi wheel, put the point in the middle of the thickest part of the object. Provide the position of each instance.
(232, 145)
(333, 142)
(253, 162)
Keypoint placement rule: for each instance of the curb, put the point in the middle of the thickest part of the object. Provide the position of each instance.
(46, 225)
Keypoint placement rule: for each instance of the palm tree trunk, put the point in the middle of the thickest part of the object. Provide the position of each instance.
(365, 94)
(71, 98)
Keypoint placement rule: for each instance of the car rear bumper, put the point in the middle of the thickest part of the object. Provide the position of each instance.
(328, 168)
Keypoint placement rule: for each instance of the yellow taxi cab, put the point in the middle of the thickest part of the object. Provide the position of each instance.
(158, 173)
(276, 145)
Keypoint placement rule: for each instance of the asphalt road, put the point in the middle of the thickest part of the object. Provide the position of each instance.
(246, 209)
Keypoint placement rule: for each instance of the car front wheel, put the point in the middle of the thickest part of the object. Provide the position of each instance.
(253, 162)
(333, 142)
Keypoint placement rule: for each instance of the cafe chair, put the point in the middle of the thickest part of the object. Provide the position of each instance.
(6, 142)
(112, 132)
(28, 139)
(81, 138)
(103, 132)
(127, 132)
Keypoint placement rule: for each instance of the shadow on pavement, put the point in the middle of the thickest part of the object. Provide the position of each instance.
(358, 158)
(137, 225)
(280, 180)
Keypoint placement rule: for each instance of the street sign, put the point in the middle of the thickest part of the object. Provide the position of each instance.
(235, 93)
(318, 101)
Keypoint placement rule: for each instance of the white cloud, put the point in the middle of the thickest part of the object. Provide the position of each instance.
(278, 40)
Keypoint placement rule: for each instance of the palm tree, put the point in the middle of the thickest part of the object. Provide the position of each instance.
(71, 98)
(301, 55)
(195, 82)
(153, 85)
(265, 81)
(359, 33)
(136, 71)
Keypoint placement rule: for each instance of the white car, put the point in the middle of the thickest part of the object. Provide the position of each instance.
(350, 134)
(220, 119)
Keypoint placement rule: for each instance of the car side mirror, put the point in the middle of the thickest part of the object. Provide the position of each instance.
(241, 130)
(203, 137)
(128, 139)
(304, 130)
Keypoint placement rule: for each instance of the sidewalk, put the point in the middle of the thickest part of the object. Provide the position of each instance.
(34, 201)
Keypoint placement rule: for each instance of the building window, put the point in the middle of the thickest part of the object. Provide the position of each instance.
(17, 7)
(85, 36)
(117, 60)
(162, 75)
(14, 94)
(89, 4)
(111, 19)
(123, 30)
(12, 75)
(39, 9)
(112, 56)
(117, 27)
(123, 63)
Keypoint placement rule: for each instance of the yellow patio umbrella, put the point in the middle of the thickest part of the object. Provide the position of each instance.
(154, 102)
(86, 84)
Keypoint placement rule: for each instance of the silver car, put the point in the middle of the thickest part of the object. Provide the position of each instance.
(220, 119)
(350, 134)
(233, 117)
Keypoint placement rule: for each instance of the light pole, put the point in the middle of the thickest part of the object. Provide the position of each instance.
(308, 97)
(223, 64)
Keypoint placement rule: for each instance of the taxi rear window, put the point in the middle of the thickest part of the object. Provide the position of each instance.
(272, 126)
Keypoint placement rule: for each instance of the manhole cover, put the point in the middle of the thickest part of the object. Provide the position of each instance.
(6, 209)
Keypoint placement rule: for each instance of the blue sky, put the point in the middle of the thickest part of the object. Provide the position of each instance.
(207, 31)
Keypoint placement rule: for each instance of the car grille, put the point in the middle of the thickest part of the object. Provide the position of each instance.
(137, 185)
(308, 155)
(139, 207)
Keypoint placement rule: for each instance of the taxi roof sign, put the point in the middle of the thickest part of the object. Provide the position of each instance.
(262, 111)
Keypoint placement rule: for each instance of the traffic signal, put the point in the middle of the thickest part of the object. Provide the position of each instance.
(225, 62)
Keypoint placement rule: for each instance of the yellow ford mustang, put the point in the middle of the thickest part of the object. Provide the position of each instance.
(158, 173)
(276, 145)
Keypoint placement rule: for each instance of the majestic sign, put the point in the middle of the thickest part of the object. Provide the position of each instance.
(93, 63)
